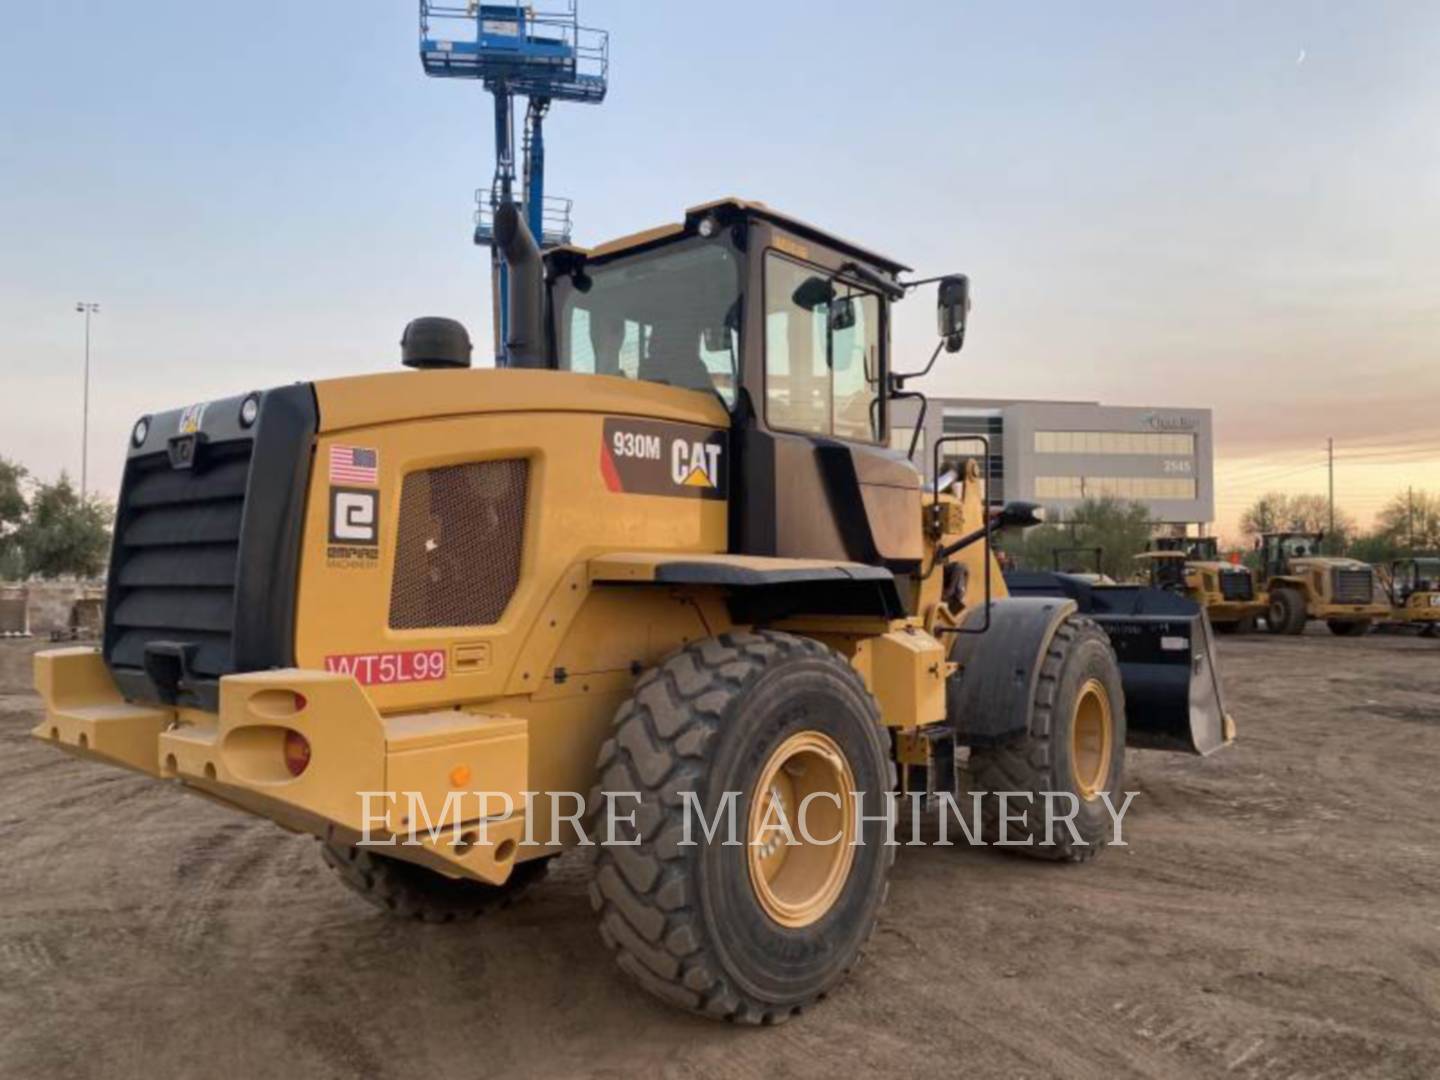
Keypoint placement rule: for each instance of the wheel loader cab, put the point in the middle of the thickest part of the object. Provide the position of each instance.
(1279, 549)
(789, 328)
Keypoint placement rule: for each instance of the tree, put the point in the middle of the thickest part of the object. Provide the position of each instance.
(1375, 547)
(12, 516)
(1122, 529)
(1277, 512)
(63, 535)
(1411, 522)
(1266, 514)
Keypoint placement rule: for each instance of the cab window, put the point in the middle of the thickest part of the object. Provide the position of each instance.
(822, 353)
(670, 316)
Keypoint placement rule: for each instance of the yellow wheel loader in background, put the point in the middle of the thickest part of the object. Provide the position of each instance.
(1413, 588)
(1303, 584)
(1192, 566)
(664, 556)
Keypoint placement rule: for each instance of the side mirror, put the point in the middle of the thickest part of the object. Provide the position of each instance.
(952, 309)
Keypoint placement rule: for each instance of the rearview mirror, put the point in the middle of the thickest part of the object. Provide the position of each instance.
(842, 313)
(952, 309)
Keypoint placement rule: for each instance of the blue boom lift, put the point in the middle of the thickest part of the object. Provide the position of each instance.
(516, 50)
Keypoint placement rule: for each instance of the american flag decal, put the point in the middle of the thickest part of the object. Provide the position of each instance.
(354, 465)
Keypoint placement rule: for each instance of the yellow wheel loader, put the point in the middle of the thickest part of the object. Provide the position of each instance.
(657, 586)
(1192, 566)
(1302, 584)
(1412, 586)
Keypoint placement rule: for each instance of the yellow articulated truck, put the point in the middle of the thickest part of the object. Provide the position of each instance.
(662, 562)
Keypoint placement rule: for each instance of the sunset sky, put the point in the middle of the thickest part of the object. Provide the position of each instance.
(1228, 205)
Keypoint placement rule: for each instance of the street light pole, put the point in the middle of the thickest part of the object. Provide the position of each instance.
(87, 309)
(1330, 453)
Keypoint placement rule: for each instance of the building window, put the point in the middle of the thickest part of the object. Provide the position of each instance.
(1145, 443)
(1120, 487)
(900, 440)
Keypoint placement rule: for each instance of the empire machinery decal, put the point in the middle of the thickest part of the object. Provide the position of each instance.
(354, 539)
(385, 668)
(653, 457)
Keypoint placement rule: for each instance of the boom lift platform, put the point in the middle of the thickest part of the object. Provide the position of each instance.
(515, 50)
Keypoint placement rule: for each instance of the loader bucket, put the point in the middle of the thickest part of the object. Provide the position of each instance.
(1163, 641)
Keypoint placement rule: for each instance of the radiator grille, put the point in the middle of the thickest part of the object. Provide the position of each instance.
(174, 560)
(457, 555)
(1236, 586)
(1353, 586)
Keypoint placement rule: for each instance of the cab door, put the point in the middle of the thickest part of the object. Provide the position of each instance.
(820, 479)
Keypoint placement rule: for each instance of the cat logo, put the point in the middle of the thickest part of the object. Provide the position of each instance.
(695, 464)
(192, 418)
(656, 457)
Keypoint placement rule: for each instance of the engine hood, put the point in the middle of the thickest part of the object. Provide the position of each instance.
(1319, 562)
(396, 396)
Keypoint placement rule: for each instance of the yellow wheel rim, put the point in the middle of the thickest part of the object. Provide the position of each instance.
(1092, 731)
(807, 775)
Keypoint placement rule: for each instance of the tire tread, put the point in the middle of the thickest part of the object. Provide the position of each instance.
(643, 896)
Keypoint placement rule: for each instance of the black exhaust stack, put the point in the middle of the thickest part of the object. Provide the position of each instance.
(525, 343)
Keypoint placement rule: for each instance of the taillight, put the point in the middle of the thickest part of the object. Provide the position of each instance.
(297, 752)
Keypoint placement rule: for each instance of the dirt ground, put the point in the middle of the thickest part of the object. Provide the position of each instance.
(1277, 915)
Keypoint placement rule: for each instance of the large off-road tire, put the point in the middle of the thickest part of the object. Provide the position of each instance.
(411, 891)
(1076, 744)
(743, 932)
(1286, 614)
(1348, 627)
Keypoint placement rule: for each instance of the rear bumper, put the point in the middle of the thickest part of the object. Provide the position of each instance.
(367, 773)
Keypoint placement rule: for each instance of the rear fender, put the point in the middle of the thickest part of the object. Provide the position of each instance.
(988, 699)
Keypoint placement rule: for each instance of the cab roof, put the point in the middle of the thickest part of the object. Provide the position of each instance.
(625, 245)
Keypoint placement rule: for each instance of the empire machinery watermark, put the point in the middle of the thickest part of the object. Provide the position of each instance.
(1015, 818)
